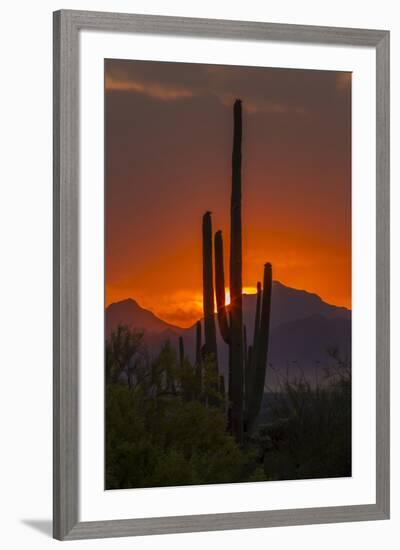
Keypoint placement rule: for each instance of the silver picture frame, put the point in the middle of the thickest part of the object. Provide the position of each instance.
(67, 26)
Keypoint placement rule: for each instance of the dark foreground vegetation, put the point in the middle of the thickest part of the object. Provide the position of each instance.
(166, 423)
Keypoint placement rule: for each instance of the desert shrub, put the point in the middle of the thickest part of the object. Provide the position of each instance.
(160, 429)
(308, 432)
(153, 442)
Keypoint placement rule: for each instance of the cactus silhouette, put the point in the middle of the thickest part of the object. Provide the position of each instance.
(198, 343)
(198, 376)
(181, 352)
(210, 337)
(257, 364)
(252, 353)
(247, 363)
(220, 288)
(235, 278)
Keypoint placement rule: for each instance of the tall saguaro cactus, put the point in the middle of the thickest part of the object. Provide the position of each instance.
(235, 277)
(247, 364)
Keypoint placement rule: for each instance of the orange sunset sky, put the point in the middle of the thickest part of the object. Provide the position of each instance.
(168, 146)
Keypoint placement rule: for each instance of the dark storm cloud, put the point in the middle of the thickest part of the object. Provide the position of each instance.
(266, 90)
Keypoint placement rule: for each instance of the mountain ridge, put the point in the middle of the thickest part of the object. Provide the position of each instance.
(302, 331)
(128, 311)
(280, 293)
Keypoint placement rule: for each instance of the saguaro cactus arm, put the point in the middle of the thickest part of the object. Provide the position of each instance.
(220, 287)
(181, 351)
(257, 318)
(210, 337)
(222, 385)
(198, 343)
(245, 355)
(198, 366)
(260, 360)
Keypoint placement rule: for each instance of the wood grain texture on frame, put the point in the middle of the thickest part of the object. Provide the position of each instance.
(67, 25)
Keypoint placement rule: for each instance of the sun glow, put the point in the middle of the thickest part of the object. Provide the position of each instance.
(246, 290)
(249, 290)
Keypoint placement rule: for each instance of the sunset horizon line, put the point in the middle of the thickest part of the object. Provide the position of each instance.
(246, 292)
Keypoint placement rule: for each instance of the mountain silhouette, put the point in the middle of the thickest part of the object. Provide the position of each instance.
(290, 304)
(303, 330)
(129, 312)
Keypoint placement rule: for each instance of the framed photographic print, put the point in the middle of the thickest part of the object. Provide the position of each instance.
(221, 275)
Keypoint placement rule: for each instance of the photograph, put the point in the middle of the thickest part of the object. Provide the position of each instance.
(196, 221)
(227, 274)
